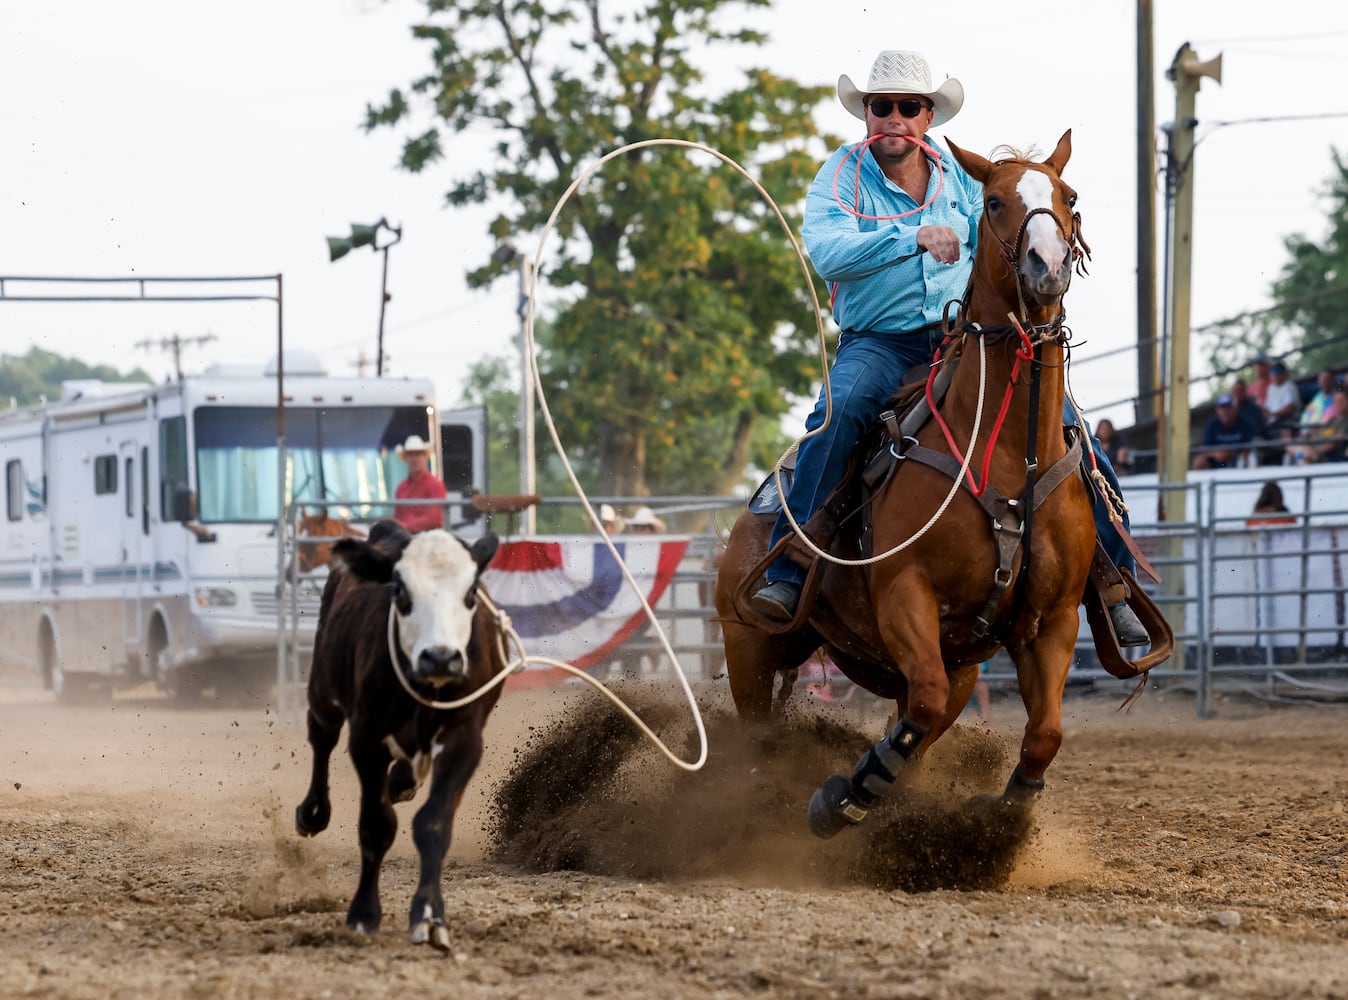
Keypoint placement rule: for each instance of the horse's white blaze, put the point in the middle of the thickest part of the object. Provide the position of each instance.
(1041, 235)
(438, 572)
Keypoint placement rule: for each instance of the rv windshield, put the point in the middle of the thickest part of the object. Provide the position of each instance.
(345, 455)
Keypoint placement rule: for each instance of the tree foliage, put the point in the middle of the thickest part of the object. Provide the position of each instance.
(1308, 323)
(28, 378)
(681, 320)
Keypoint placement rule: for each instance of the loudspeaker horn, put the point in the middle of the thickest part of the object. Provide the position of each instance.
(363, 236)
(338, 246)
(1211, 69)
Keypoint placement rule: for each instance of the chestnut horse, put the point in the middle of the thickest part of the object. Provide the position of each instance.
(313, 554)
(917, 629)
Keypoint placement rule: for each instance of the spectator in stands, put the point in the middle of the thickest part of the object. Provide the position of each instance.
(1321, 407)
(644, 522)
(1118, 454)
(420, 484)
(1333, 439)
(1269, 507)
(1226, 438)
(1316, 412)
(1282, 402)
(1246, 408)
(608, 517)
(1262, 377)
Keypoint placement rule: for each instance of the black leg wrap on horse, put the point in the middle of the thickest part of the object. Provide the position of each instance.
(842, 802)
(1021, 788)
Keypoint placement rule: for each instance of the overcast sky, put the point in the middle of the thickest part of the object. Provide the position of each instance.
(162, 138)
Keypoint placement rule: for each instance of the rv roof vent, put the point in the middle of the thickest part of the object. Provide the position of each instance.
(298, 362)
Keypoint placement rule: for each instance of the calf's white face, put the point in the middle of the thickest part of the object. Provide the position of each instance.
(435, 592)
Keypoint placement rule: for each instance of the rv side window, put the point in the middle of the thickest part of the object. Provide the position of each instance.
(130, 488)
(14, 489)
(456, 441)
(105, 474)
(172, 463)
(144, 491)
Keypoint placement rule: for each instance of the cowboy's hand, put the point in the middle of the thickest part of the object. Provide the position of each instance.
(941, 242)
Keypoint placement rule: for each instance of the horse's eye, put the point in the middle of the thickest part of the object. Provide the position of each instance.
(1071, 201)
(470, 598)
(994, 203)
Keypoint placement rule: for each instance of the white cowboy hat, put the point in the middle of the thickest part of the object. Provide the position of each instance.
(645, 517)
(607, 514)
(413, 443)
(897, 72)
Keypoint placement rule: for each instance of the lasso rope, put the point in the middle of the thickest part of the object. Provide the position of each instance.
(566, 462)
(507, 636)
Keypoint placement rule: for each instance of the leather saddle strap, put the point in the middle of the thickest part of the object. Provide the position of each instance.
(1008, 522)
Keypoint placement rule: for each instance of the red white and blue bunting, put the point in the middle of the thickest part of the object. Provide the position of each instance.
(567, 598)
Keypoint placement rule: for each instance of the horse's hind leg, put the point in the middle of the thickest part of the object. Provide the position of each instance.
(753, 659)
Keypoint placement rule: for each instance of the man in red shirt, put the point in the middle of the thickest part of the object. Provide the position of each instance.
(420, 484)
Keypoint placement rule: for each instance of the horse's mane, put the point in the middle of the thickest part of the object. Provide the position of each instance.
(1010, 154)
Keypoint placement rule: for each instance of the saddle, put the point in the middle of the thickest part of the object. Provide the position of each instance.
(842, 527)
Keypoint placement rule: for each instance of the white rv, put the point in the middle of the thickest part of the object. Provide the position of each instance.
(139, 538)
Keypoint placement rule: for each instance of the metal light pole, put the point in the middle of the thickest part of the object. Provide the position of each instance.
(362, 236)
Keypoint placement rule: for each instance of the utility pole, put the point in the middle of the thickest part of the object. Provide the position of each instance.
(175, 344)
(1148, 406)
(528, 517)
(1185, 72)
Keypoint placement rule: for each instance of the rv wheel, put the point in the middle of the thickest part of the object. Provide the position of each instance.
(181, 684)
(70, 688)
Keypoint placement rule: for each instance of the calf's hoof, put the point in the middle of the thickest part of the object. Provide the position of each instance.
(312, 817)
(431, 932)
(362, 920)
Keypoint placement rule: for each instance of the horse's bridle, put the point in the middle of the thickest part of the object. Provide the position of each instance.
(1079, 248)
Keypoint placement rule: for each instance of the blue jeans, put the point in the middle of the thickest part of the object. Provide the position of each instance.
(1104, 527)
(864, 376)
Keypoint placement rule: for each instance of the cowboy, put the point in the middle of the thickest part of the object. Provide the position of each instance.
(608, 517)
(644, 522)
(420, 484)
(891, 278)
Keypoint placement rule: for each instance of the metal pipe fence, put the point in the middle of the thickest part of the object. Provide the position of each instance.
(1258, 606)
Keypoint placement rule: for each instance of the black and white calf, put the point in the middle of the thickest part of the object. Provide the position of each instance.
(446, 641)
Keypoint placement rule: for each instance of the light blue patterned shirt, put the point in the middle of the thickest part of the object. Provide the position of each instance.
(885, 284)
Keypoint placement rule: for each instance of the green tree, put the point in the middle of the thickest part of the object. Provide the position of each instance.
(1309, 320)
(28, 378)
(685, 322)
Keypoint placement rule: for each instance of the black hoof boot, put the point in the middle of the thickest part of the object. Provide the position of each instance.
(833, 808)
(842, 802)
(1020, 790)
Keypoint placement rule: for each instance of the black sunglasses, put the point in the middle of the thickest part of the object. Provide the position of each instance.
(909, 107)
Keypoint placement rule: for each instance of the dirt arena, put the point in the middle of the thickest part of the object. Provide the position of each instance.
(149, 851)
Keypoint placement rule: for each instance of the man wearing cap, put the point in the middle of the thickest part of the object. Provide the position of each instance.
(1225, 437)
(1282, 401)
(420, 484)
(893, 254)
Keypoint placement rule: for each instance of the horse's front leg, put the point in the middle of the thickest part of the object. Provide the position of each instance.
(1041, 673)
(911, 635)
